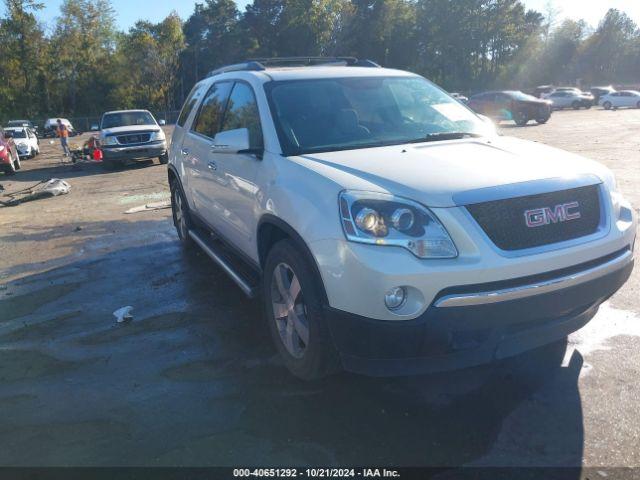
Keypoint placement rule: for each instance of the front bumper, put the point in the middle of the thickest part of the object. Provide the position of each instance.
(477, 324)
(137, 152)
(23, 151)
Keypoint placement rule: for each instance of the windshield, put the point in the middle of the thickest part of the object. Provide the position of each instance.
(17, 123)
(18, 133)
(126, 119)
(339, 114)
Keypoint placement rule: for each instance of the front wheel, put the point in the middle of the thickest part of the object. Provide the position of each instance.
(180, 212)
(607, 105)
(521, 118)
(293, 308)
(164, 159)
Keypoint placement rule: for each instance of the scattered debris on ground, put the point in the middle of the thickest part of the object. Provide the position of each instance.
(123, 315)
(45, 189)
(149, 207)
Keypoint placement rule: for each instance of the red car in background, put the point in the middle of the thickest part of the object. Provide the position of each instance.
(9, 159)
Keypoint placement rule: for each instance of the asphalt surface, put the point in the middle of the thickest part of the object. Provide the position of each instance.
(193, 379)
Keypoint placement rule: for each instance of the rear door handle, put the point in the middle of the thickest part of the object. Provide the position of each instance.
(185, 151)
(212, 166)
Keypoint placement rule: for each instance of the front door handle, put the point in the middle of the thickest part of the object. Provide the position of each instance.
(212, 166)
(185, 151)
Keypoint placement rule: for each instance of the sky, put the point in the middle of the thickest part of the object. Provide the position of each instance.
(129, 11)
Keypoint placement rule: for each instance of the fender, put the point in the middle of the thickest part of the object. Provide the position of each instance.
(268, 218)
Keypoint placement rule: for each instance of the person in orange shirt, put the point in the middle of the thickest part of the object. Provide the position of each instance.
(63, 134)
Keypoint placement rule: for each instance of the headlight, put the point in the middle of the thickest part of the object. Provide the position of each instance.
(109, 141)
(383, 219)
(159, 135)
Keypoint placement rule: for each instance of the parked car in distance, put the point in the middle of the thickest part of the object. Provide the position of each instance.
(9, 158)
(23, 123)
(543, 90)
(511, 105)
(51, 128)
(385, 227)
(620, 99)
(570, 99)
(129, 135)
(599, 92)
(27, 143)
(459, 97)
(95, 127)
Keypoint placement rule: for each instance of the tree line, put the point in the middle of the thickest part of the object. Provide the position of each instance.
(83, 65)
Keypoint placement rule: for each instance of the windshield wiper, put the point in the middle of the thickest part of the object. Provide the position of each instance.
(433, 137)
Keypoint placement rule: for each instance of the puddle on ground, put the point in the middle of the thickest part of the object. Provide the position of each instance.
(22, 305)
(17, 365)
(158, 323)
(36, 329)
(15, 401)
(203, 371)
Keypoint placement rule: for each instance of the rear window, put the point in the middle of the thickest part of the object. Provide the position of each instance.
(190, 103)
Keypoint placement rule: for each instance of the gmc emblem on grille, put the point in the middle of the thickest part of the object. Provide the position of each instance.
(546, 216)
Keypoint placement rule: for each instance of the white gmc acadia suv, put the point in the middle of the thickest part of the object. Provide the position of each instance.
(388, 229)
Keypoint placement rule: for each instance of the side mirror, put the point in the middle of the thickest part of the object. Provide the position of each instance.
(232, 141)
(162, 123)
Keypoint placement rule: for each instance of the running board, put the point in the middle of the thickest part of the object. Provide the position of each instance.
(216, 254)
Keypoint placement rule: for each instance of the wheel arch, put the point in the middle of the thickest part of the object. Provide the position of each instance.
(272, 229)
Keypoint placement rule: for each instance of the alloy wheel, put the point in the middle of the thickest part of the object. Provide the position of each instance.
(179, 213)
(289, 310)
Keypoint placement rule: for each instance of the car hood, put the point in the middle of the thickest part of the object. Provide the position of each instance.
(128, 129)
(439, 174)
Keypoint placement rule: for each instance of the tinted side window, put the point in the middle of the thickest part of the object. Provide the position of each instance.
(191, 102)
(211, 110)
(242, 112)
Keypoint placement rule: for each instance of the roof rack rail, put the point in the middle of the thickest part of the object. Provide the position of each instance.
(311, 61)
(259, 64)
(249, 65)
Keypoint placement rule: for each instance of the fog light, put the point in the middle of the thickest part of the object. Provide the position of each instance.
(395, 298)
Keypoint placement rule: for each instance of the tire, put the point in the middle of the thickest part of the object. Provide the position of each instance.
(111, 165)
(607, 105)
(293, 309)
(638, 105)
(10, 169)
(180, 213)
(521, 118)
(16, 161)
(575, 105)
(164, 159)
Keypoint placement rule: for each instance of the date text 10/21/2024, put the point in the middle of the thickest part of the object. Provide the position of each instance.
(315, 473)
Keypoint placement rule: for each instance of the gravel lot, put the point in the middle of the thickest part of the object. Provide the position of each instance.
(193, 380)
